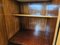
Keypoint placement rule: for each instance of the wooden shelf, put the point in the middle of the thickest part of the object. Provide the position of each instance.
(28, 15)
(29, 38)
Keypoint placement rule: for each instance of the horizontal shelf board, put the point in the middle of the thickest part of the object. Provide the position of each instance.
(28, 15)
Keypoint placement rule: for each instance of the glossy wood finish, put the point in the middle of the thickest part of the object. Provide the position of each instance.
(32, 23)
(29, 37)
(52, 24)
(38, 9)
(27, 15)
(56, 2)
(40, 23)
(3, 36)
(28, 8)
(58, 39)
(56, 29)
(12, 23)
(33, 35)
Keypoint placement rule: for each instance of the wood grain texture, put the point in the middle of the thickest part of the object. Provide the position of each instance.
(32, 23)
(34, 16)
(52, 24)
(58, 39)
(3, 35)
(30, 37)
(38, 9)
(56, 2)
(12, 24)
(56, 29)
(28, 8)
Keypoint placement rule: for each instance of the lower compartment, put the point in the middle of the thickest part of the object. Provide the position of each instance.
(35, 31)
(30, 37)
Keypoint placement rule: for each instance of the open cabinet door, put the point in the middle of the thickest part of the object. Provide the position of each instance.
(58, 39)
(56, 30)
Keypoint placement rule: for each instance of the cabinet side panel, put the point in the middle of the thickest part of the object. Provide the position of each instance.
(3, 36)
(12, 23)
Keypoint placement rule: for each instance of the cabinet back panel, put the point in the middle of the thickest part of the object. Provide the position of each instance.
(52, 25)
(38, 9)
(42, 24)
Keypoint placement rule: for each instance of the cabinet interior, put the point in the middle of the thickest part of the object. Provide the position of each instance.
(40, 9)
(34, 30)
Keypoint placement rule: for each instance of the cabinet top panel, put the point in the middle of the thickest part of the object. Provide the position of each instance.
(33, 0)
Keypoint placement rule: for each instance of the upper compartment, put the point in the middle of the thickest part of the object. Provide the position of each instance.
(37, 8)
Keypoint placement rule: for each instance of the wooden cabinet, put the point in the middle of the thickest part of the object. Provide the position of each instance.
(29, 16)
(20, 14)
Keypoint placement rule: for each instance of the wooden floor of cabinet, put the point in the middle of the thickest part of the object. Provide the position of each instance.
(29, 37)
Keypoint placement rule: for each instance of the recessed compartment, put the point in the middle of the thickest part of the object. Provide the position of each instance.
(52, 10)
(38, 9)
(37, 22)
(35, 31)
(33, 9)
(41, 24)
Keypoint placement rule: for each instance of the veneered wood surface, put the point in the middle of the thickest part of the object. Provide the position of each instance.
(30, 37)
(12, 23)
(3, 36)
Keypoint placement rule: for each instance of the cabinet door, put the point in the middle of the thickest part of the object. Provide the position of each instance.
(58, 39)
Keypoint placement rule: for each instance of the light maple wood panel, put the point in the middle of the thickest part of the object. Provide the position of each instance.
(58, 40)
(39, 16)
(12, 24)
(56, 29)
